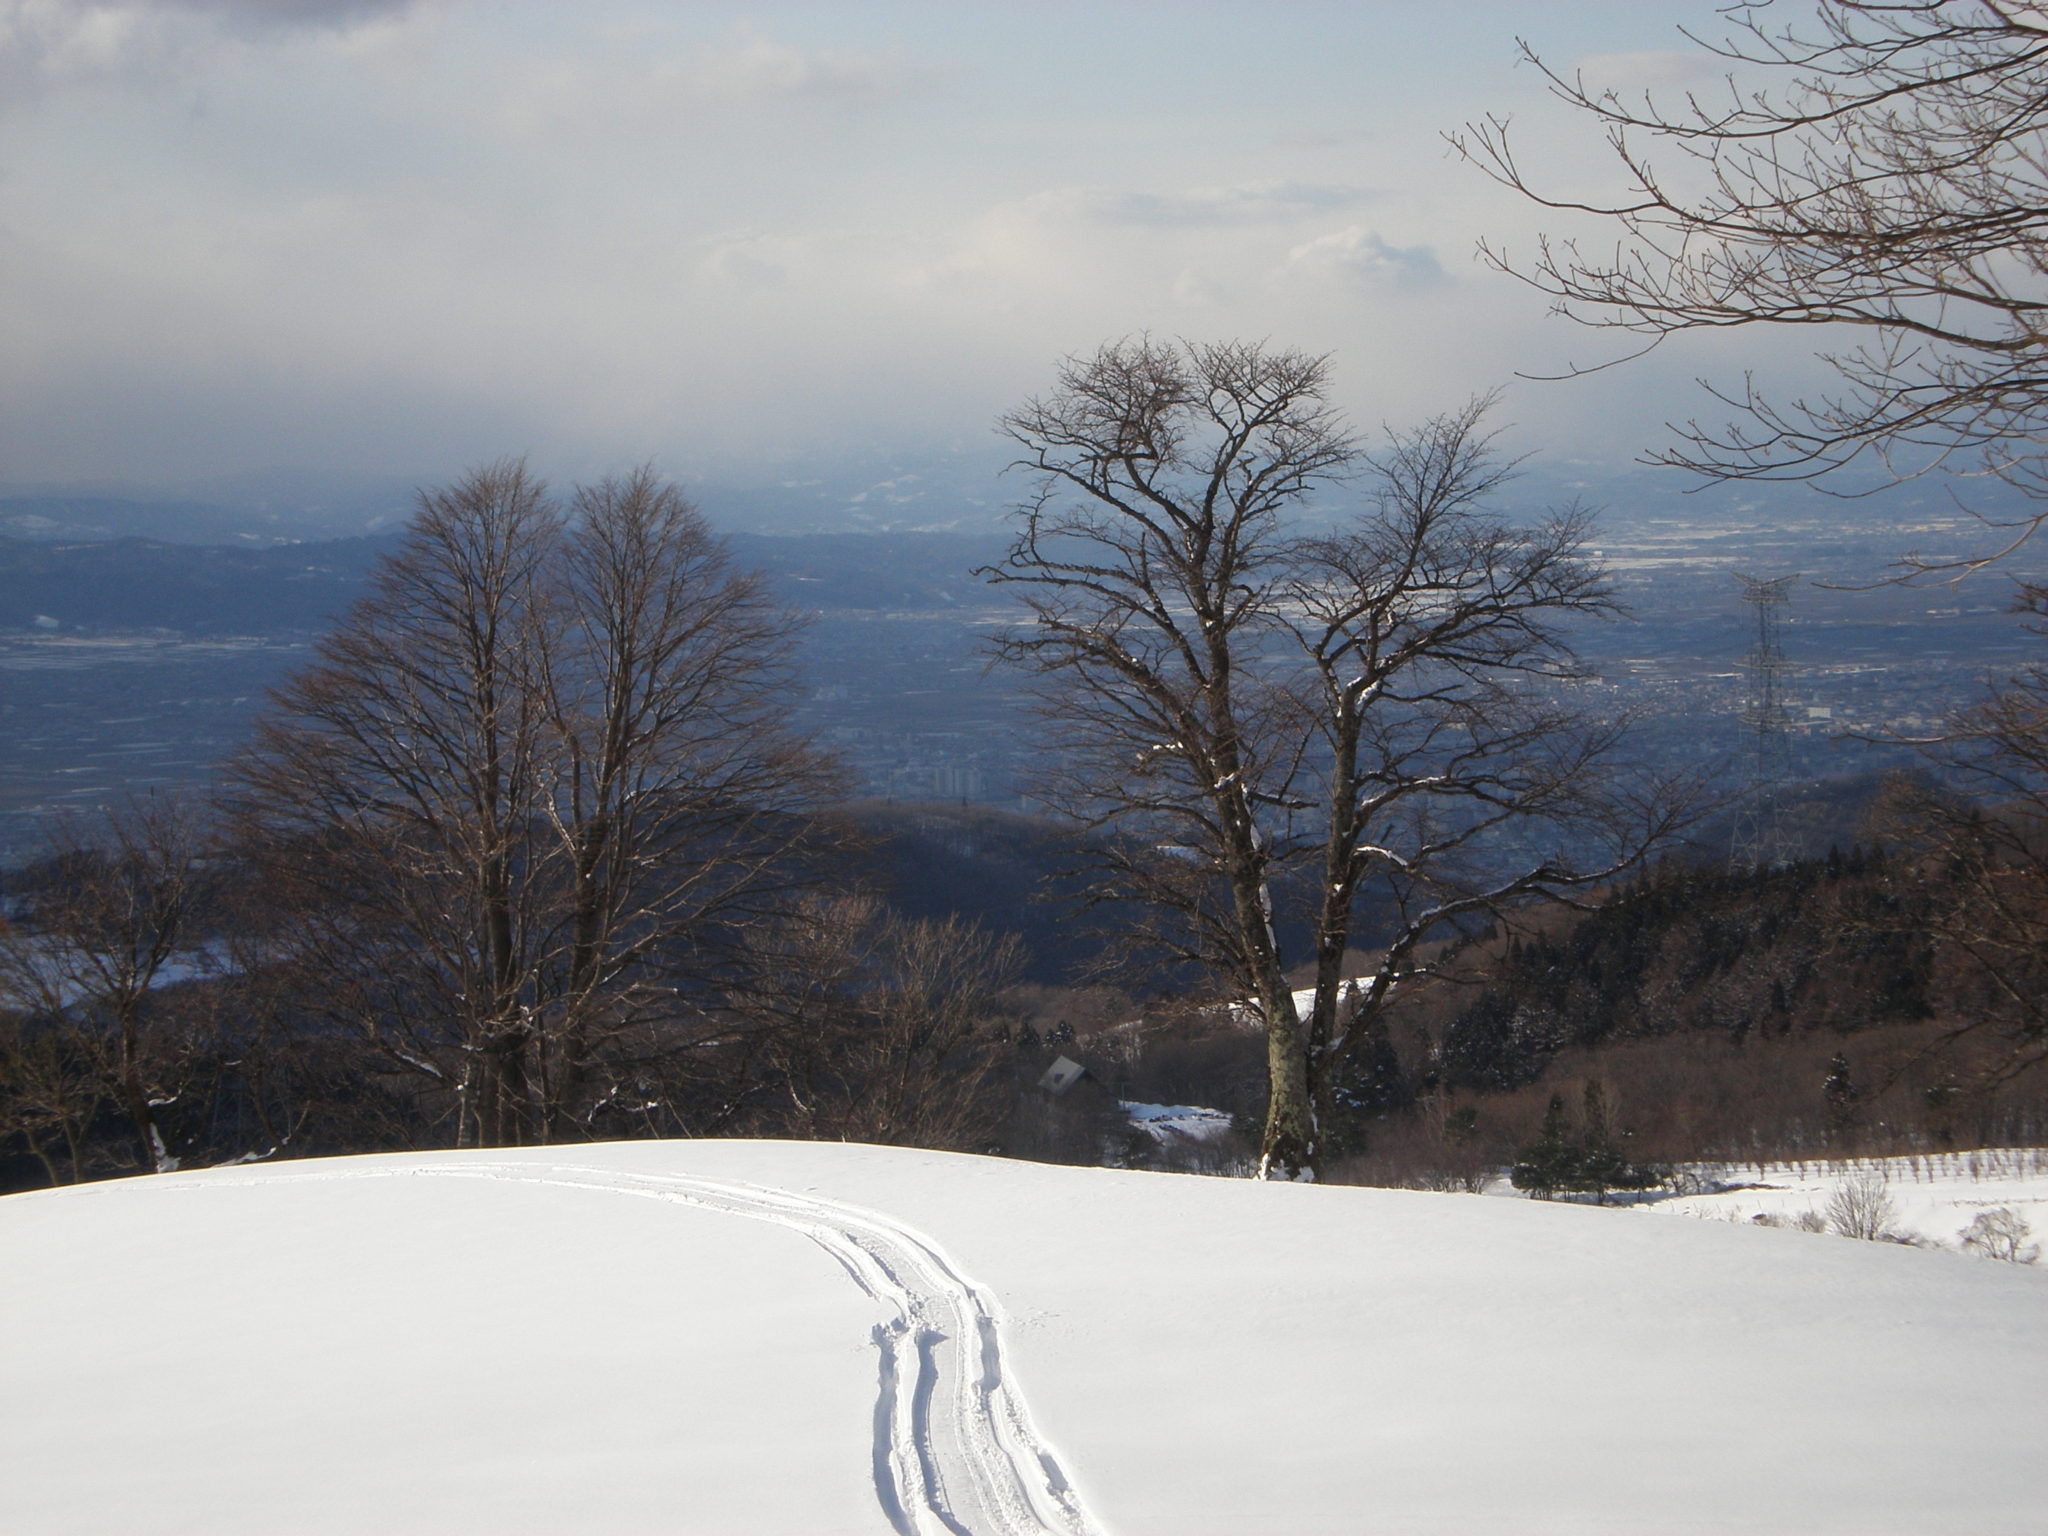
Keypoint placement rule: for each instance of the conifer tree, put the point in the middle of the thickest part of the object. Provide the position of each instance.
(1840, 1092)
(1603, 1162)
(1551, 1162)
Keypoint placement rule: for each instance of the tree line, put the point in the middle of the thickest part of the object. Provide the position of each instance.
(528, 853)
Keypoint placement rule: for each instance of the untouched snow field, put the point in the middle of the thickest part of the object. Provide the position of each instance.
(803, 1338)
(1931, 1199)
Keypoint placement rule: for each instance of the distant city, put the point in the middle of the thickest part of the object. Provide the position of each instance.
(138, 639)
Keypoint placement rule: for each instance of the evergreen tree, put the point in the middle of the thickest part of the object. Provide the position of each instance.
(1603, 1162)
(1551, 1162)
(1839, 1090)
(1375, 1084)
(1591, 1162)
(1601, 1165)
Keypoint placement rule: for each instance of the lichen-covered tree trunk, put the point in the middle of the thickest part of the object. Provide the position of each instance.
(1289, 1150)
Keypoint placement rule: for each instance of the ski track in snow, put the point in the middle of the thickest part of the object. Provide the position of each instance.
(955, 1451)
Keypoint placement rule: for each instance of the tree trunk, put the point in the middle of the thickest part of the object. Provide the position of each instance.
(35, 1147)
(135, 1100)
(1289, 1150)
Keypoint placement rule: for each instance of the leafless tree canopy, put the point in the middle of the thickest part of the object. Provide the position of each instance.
(1233, 700)
(1152, 558)
(883, 1029)
(119, 908)
(524, 807)
(1984, 837)
(1893, 189)
(1447, 766)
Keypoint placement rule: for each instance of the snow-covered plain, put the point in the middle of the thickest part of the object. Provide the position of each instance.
(1931, 1198)
(743, 1337)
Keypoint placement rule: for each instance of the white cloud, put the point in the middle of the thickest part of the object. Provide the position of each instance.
(53, 40)
(284, 13)
(1196, 289)
(749, 261)
(750, 66)
(348, 230)
(47, 44)
(1360, 255)
(1190, 249)
(1198, 207)
(636, 85)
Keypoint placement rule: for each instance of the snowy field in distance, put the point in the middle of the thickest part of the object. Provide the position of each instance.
(1168, 1124)
(587, 1339)
(1931, 1199)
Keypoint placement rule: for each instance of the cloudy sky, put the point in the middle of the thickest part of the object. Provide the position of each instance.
(398, 237)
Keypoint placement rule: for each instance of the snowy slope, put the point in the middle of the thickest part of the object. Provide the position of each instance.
(700, 1337)
(1931, 1199)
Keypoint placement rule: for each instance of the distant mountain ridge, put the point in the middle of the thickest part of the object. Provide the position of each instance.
(77, 519)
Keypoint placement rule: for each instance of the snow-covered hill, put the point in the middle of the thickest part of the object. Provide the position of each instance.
(760, 1337)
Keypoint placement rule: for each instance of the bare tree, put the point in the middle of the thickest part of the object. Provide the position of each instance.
(1446, 768)
(50, 1093)
(528, 794)
(1981, 835)
(885, 1029)
(114, 914)
(1233, 699)
(1893, 192)
(1895, 189)
(397, 787)
(682, 803)
(2000, 1233)
(1861, 1207)
(1152, 558)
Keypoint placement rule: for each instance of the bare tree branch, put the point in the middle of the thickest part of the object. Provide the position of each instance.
(525, 804)
(1894, 191)
(1232, 702)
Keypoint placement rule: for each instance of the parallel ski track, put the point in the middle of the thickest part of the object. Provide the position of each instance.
(955, 1450)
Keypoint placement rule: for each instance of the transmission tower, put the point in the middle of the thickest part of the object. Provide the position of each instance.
(1759, 840)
